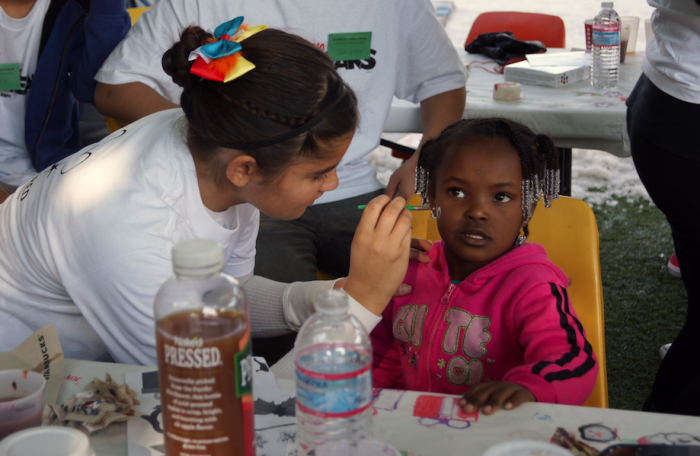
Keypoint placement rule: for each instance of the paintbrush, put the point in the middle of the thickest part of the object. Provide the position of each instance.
(410, 208)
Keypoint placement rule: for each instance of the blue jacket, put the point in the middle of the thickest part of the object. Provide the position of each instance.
(76, 38)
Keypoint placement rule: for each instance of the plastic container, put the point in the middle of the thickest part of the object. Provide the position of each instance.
(333, 378)
(21, 399)
(204, 364)
(47, 441)
(605, 48)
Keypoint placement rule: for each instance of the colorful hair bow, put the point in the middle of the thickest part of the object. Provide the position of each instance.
(220, 60)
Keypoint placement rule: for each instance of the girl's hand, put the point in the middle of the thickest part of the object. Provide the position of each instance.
(379, 253)
(420, 249)
(490, 396)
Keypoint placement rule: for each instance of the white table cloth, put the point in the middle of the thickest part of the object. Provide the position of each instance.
(424, 424)
(575, 116)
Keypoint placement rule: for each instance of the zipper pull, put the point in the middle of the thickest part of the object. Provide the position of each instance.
(446, 297)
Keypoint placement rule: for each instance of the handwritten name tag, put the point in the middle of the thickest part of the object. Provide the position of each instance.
(9, 77)
(349, 46)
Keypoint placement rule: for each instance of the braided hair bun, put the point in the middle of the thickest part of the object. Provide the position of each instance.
(176, 61)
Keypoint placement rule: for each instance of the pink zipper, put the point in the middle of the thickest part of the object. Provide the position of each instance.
(444, 301)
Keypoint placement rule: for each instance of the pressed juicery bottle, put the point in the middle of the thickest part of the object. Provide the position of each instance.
(204, 364)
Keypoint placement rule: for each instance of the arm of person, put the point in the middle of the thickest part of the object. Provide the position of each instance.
(106, 24)
(131, 82)
(559, 366)
(386, 364)
(142, 101)
(437, 113)
(3, 195)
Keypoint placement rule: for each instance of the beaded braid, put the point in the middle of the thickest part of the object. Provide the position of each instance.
(538, 158)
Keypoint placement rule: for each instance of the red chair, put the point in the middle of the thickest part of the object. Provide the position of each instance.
(549, 30)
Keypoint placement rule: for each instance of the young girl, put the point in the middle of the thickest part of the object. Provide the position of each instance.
(87, 242)
(489, 316)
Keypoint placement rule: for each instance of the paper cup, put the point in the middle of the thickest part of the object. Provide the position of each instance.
(21, 395)
(525, 448)
(47, 441)
(633, 23)
(588, 27)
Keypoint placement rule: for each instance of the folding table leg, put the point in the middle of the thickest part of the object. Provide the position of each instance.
(565, 166)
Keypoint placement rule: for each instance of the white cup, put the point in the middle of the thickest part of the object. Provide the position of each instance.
(21, 396)
(47, 441)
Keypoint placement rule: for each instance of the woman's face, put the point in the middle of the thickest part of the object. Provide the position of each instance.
(299, 185)
(478, 193)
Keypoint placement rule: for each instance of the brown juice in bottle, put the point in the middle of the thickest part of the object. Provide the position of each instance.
(205, 381)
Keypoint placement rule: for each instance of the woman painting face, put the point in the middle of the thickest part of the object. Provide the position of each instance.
(299, 186)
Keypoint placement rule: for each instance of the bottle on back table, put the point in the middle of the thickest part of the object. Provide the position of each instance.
(605, 48)
(204, 365)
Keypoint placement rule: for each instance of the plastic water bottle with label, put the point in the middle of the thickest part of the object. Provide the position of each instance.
(605, 47)
(333, 378)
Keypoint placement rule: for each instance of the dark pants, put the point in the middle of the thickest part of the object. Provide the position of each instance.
(665, 145)
(293, 250)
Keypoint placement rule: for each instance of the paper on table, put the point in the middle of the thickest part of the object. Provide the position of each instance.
(575, 58)
(41, 352)
(274, 414)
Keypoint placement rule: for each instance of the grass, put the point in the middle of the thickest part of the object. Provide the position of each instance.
(645, 307)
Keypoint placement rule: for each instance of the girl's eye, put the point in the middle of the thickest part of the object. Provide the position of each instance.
(321, 177)
(455, 192)
(502, 198)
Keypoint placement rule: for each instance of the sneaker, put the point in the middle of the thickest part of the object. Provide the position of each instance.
(673, 268)
(663, 350)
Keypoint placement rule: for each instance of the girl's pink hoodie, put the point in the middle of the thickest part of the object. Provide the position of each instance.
(510, 320)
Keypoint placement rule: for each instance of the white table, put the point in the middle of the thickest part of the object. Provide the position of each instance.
(403, 420)
(575, 116)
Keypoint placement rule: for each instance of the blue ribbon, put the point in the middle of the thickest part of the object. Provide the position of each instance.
(223, 48)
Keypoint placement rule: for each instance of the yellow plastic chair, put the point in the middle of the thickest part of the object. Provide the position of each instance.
(569, 233)
(134, 13)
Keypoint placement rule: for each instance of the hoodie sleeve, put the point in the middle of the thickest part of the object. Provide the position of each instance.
(560, 366)
(105, 26)
(386, 365)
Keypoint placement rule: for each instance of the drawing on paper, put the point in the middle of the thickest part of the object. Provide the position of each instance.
(598, 433)
(670, 438)
(434, 410)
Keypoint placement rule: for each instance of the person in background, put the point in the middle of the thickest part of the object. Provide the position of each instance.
(483, 178)
(50, 51)
(408, 55)
(87, 242)
(662, 118)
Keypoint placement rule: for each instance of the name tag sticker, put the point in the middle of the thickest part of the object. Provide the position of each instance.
(9, 77)
(349, 46)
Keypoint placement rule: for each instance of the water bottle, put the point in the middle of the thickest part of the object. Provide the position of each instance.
(605, 47)
(333, 378)
(204, 363)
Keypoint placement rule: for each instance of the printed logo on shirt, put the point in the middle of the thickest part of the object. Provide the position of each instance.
(359, 64)
(26, 84)
(466, 367)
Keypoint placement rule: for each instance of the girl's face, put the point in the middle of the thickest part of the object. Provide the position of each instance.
(477, 199)
(299, 185)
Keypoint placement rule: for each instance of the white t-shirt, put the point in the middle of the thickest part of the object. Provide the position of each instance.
(673, 56)
(87, 243)
(412, 58)
(19, 43)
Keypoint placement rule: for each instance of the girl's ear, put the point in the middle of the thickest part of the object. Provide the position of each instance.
(240, 170)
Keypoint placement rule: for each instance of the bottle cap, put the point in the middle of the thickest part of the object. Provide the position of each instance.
(197, 257)
(607, 4)
(332, 302)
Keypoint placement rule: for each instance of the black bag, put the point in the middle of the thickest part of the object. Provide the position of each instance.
(503, 46)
